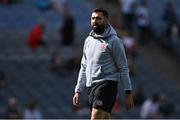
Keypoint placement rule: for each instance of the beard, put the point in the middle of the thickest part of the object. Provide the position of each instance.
(99, 29)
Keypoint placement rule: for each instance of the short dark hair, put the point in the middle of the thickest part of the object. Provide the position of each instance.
(105, 13)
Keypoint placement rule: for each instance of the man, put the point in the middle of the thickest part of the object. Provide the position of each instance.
(103, 64)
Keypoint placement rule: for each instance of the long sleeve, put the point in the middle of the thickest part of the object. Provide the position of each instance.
(81, 82)
(120, 60)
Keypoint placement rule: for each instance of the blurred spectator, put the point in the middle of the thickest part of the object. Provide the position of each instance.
(138, 95)
(2, 79)
(127, 9)
(68, 28)
(142, 22)
(150, 107)
(173, 34)
(170, 14)
(130, 44)
(59, 5)
(13, 111)
(43, 5)
(172, 25)
(35, 38)
(32, 112)
(166, 108)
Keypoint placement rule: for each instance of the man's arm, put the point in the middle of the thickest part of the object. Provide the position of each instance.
(81, 82)
(120, 59)
(121, 63)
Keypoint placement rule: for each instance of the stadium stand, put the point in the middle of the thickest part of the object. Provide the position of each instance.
(28, 76)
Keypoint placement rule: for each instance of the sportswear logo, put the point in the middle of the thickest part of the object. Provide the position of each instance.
(103, 46)
(99, 102)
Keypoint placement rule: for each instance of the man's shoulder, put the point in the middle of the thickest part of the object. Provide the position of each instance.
(113, 39)
(89, 37)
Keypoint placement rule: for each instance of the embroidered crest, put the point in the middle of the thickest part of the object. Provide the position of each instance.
(103, 46)
(99, 102)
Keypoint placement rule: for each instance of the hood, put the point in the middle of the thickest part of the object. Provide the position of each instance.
(109, 31)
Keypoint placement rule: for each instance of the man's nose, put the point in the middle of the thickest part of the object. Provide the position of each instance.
(94, 21)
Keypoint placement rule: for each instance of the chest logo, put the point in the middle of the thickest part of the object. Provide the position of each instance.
(99, 102)
(103, 46)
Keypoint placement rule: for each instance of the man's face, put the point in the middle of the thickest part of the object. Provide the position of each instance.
(98, 22)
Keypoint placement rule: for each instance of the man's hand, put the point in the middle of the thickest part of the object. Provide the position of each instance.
(76, 98)
(129, 101)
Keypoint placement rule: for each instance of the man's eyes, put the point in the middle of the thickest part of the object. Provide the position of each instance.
(97, 18)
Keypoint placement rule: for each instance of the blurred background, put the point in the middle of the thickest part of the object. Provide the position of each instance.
(41, 47)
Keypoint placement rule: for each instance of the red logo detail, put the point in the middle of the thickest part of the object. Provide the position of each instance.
(103, 46)
(99, 102)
